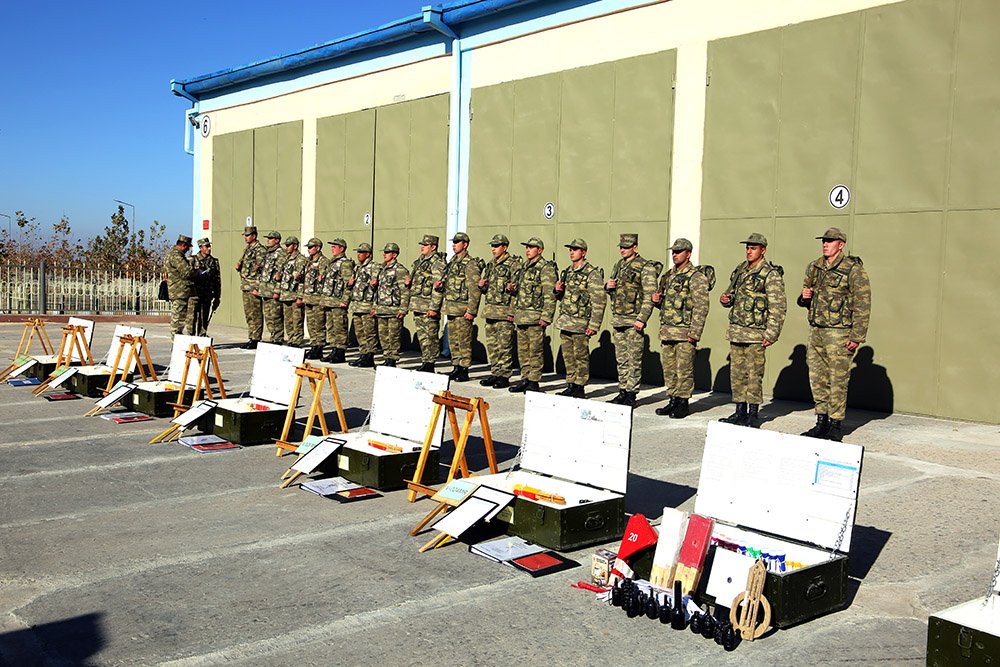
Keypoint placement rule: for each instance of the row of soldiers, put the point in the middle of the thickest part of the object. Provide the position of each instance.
(518, 299)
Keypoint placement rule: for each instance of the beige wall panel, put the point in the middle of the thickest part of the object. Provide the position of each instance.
(222, 184)
(819, 65)
(265, 178)
(392, 167)
(428, 191)
(535, 164)
(491, 155)
(242, 179)
(904, 110)
(741, 126)
(970, 377)
(331, 138)
(903, 259)
(228, 246)
(288, 198)
(359, 171)
(975, 170)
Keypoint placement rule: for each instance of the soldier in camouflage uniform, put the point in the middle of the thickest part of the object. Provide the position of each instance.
(293, 273)
(632, 283)
(207, 286)
(425, 300)
(312, 297)
(498, 311)
(249, 266)
(682, 297)
(392, 300)
(534, 309)
(461, 304)
(336, 300)
(362, 299)
(180, 287)
(270, 276)
(839, 298)
(756, 299)
(580, 291)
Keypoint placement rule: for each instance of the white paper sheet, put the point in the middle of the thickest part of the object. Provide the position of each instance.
(120, 391)
(463, 517)
(192, 414)
(307, 463)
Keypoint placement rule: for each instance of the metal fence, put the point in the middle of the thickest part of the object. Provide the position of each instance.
(54, 289)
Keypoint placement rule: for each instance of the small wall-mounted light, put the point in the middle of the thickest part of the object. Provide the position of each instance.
(193, 119)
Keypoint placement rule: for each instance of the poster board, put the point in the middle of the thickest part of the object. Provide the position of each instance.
(194, 413)
(178, 356)
(274, 376)
(120, 391)
(122, 330)
(60, 375)
(21, 364)
(402, 403)
(88, 334)
(327, 447)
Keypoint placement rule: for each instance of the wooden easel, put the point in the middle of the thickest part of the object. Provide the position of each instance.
(138, 350)
(317, 377)
(32, 328)
(449, 402)
(206, 358)
(74, 340)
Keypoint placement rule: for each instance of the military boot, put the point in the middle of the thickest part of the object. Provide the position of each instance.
(501, 383)
(680, 409)
(250, 345)
(520, 387)
(331, 358)
(426, 367)
(666, 410)
(489, 380)
(580, 391)
(739, 417)
(364, 361)
(753, 421)
(341, 356)
(834, 433)
(391, 363)
(459, 374)
(570, 390)
(620, 398)
(821, 428)
(629, 399)
(315, 353)
(533, 386)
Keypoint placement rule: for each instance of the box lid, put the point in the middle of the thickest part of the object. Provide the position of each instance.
(88, 333)
(579, 440)
(402, 403)
(789, 485)
(273, 376)
(175, 371)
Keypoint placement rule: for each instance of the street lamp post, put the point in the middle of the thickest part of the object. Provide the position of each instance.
(125, 203)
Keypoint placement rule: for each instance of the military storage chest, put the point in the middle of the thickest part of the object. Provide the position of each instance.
(157, 398)
(259, 416)
(787, 496)
(577, 449)
(401, 412)
(92, 381)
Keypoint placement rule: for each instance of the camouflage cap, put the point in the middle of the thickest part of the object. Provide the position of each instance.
(628, 240)
(682, 244)
(460, 236)
(391, 247)
(184, 239)
(314, 243)
(833, 234)
(756, 239)
(577, 244)
(429, 239)
(499, 239)
(292, 240)
(251, 229)
(338, 241)
(364, 247)
(205, 241)
(274, 235)
(534, 242)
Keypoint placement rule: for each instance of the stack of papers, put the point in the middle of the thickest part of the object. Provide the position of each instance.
(503, 549)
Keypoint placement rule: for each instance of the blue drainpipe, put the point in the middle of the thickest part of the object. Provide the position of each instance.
(178, 89)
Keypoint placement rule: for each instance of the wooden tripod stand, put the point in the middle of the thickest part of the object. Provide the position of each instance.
(317, 377)
(74, 341)
(137, 351)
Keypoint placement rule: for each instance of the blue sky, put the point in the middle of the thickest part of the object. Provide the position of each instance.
(86, 112)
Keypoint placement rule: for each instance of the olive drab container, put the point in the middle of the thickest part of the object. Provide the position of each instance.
(577, 449)
(47, 362)
(156, 399)
(402, 406)
(259, 416)
(91, 381)
(790, 498)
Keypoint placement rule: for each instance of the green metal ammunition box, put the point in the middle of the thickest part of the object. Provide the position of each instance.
(91, 385)
(385, 472)
(567, 528)
(244, 428)
(967, 634)
(152, 402)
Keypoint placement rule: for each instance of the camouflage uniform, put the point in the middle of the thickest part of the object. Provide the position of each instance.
(461, 296)
(839, 311)
(208, 287)
(337, 299)
(683, 310)
(312, 296)
(498, 311)
(362, 298)
(270, 274)
(423, 298)
(290, 292)
(392, 299)
(250, 265)
(581, 307)
(630, 302)
(180, 290)
(535, 301)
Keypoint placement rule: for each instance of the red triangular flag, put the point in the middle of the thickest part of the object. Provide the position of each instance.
(639, 535)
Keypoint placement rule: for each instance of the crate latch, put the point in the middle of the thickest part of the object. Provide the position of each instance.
(594, 521)
(816, 589)
(965, 642)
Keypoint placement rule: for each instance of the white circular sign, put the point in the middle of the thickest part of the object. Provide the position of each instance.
(840, 196)
(249, 221)
(368, 218)
(206, 126)
(549, 210)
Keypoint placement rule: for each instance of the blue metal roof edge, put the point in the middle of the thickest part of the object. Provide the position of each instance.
(455, 13)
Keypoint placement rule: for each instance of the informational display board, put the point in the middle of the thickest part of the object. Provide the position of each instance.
(178, 356)
(326, 448)
(60, 375)
(122, 330)
(273, 376)
(784, 484)
(194, 413)
(88, 334)
(583, 441)
(120, 391)
(402, 403)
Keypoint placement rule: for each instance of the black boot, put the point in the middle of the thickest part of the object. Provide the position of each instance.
(570, 390)
(315, 353)
(489, 380)
(331, 358)
(629, 399)
(680, 409)
(459, 374)
(501, 383)
(520, 387)
(620, 398)
(340, 355)
(739, 417)
(753, 421)
(821, 428)
(426, 367)
(580, 391)
(834, 432)
(250, 345)
(533, 386)
(666, 410)
(391, 363)
(366, 361)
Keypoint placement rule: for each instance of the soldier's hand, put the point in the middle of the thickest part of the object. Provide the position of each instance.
(407, 281)
(657, 296)
(807, 293)
(726, 299)
(543, 323)
(431, 313)
(511, 287)
(298, 302)
(560, 286)
(373, 282)
(510, 318)
(438, 284)
(469, 316)
(297, 275)
(239, 265)
(766, 343)
(400, 316)
(611, 284)
(639, 326)
(372, 313)
(255, 292)
(693, 341)
(483, 283)
(852, 345)
(589, 332)
(342, 305)
(276, 296)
